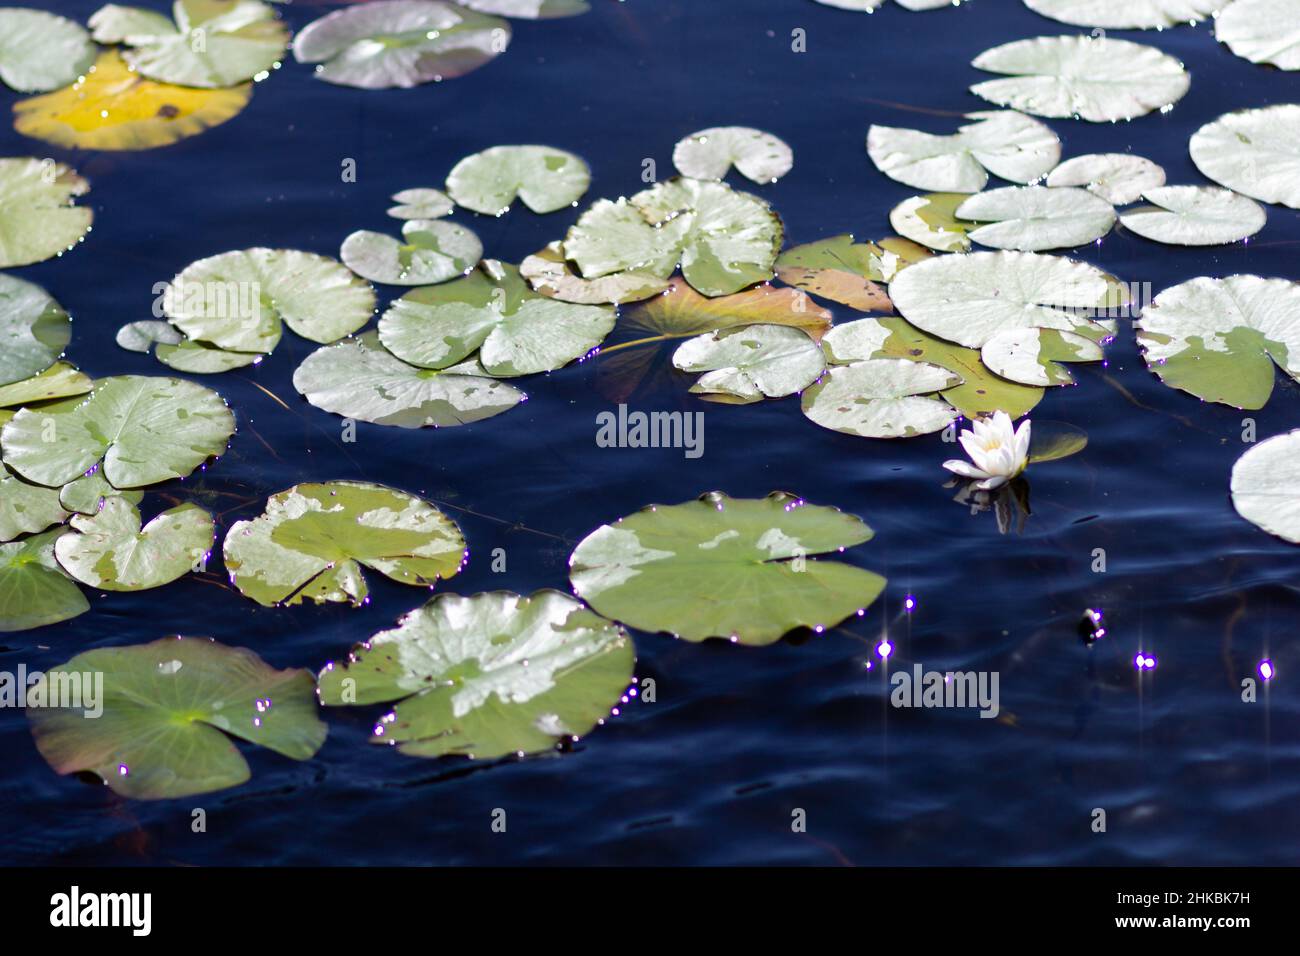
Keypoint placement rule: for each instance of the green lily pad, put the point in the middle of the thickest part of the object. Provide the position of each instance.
(1253, 152)
(1052, 441)
(1126, 14)
(167, 709)
(1195, 216)
(544, 178)
(549, 274)
(931, 221)
(60, 380)
(34, 590)
(529, 9)
(203, 358)
(37, 217)
(753, 362)
(1218, 338)
(40, 52)
(213, 43)
(487, 675)
(361, 379)
(238, 301)
(421, 203)
(1261, 31)
(313, 540)
(710, 154)
(1034, 218)
(34, 330)
(399, 43)
(87, 494)
(143, 336)
(110, 550)
(494, 312)
(431, 251)
(1118, 178)
(26, 508)
(882, 398)
(144, 429)
(981, 392)
(1033, 356)
(664, 567)
(1005, 143)
(1100, 79)
(847, 272)
(1266, 486)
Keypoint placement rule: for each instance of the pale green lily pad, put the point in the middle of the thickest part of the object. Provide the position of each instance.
(361, 379)
(430, 252)
(849, 272)
(239, 301)
(399, 43)
(313, 540)
(1034, 218)
(110, 550)
(754, 362)
(981, 392)
(1262, 31)
(1033, 356)
(1195, 216)
(34, 590)
(724, 240)
(26, 508)
(882, 398)
(40, 52)
(664, 568)
(87, 494)
(1253, 152)
(544, 178)
(549, 274)
(971, 298)
(493, 312)
(60, 380)
(144, 429)
(1218, 338)
(1266, 486)
(1118, 178)
(529, 9)
(37, 217)
(868, 6)
(34, 330)
(1126, 14)
(167, 708)
(421, 203)
(710, 154)
(213, 43)
(488, 675)
(931, 221)
(1005, 143)
(1053, 441)
(144, 335)
(203, 358)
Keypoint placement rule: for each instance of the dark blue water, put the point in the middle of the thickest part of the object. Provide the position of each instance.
(739, 737)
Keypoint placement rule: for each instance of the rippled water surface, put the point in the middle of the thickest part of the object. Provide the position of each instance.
(739, 738)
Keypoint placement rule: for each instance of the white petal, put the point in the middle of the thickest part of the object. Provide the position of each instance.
(965, 469)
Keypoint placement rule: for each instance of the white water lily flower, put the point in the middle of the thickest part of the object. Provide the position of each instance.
(999, 451)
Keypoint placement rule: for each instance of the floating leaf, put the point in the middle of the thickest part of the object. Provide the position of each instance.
(431, 252)
(1118, 178)
(26, 508)
(313, 540)
(549, 274)
(1100, 79)
(710, 154)
(1195, 216)
(494, 312)
(1125, 14)
(1261, 31)
(361, 379)
(400, 43)
(1002, 142)
(487, 675)
(34, 590)
(970, 299)
(1253, 152)
(847, 272)
(1052, 441)
(529, 9)
(545, 179)
(665, 567)
(144, 429)
(752, 362)
(1033, 218)
(37, 217)
(40, 51)
(202, 358)
(1266, 486)
(931, 221)
(112, 108)
(34, 330)
(867, 6)
(110, 550)
(1218, 338)
(421, 203)
(980, 393)
(143, 336)
(87, 494)
(166, 709)
(238, 300)
(60, 380)
(1033, 356)
(213, 43)
(882, 398)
